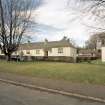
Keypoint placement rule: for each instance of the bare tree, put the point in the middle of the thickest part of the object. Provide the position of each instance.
(93, 40)
(97, 9)
(14, 20)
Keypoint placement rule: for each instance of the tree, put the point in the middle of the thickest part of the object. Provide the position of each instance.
(97, 10)
(93, 41)
(14, 20)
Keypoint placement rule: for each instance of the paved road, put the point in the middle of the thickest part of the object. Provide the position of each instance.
(16, 95)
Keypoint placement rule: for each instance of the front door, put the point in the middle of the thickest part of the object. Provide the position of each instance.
(46, 53)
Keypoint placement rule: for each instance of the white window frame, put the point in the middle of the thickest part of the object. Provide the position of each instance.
(60, 50)
(38, 51)
(28, 52)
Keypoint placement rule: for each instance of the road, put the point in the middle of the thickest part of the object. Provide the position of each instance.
(16, 95)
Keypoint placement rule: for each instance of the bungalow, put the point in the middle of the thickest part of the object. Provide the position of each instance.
(61, 50)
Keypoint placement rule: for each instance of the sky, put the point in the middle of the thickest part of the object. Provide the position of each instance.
(54, 19)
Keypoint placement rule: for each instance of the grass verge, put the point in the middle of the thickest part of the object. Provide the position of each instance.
(93, 73)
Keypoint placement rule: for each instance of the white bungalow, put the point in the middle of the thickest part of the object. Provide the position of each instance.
(61, 50)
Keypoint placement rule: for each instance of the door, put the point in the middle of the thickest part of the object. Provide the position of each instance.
(46, 53)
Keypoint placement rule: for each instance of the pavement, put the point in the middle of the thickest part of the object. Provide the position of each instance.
(18, 95)
(94, 92)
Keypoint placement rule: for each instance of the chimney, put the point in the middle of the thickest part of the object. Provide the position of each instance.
(28, 41)
(64, 38)
(68, 40)
(46, 41)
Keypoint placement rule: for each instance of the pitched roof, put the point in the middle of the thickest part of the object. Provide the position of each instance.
(45, 45)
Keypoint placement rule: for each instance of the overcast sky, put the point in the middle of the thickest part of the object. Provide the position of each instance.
(57, 18)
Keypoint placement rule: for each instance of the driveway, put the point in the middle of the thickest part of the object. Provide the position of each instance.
(16, 95)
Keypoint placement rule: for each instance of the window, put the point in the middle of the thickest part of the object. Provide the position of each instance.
(37, 51)
(21, 53)
(60, 50)
(27, 52)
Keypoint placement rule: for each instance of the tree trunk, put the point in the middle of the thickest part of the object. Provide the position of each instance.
(8, 57)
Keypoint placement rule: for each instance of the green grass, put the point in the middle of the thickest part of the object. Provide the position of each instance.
(93, 73)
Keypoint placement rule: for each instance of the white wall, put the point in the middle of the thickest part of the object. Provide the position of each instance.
(73, 52)
(1, 53)
(33, 52)
(67, 51)
(103, 54)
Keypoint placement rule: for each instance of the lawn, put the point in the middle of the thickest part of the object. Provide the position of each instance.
(93, 73)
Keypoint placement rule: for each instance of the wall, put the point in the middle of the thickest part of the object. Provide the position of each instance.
(69, 55)
(1, 53)
(73, 52)
(67, 51)
(103, 54)
(32, 52)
